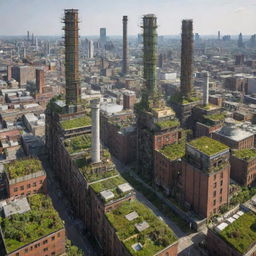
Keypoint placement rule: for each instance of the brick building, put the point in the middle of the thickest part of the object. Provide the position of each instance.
(234, 236)
(25, 177)
(23, 74)
(233, 136)
(243, 166)
(205, 176)
(41, 237)
(129, 99)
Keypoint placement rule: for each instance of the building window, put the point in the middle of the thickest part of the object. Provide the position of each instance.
(221, 182)
(29, 185)
(220, 199)
(26, 250)
(221, 191)
(214, 193)
(53, 238)
(46, 249)
(17, 254)
(34, 184)
(41, 182)
(15, 189)
(28, 193)
(214, 202)
(58, 235)
(214, 184)
(221, 175)
(21, 187)
(45, 241)
(53, 254)
(214, 177)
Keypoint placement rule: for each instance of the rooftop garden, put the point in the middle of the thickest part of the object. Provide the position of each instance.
(245, 154)
(78, 143)
(168, 124)
(178, 98)
(241, 234)
(174, 151)
(153, 239)
(19, 168)
(208, 146)
(76, 123)
(215, 117)
(21, 229)
(109, 184)
(91, 175)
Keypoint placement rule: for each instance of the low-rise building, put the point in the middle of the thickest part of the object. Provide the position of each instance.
(31, 226)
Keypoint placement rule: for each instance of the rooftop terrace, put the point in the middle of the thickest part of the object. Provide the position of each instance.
(208, 146)
(241, 234)
(152, 234)
(21, 229)
(168, 124)
(174, 151)
(245, 154)
(78, 143)
(19, 168)
(76, 123)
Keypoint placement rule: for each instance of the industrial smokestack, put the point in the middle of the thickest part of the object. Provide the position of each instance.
(125, 46)
(206, 89)
(186, 58)
(149, 51)
(40, 80)
(73, 91)
(95, 106)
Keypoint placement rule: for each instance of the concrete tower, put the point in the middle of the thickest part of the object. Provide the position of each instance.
(95, 106)
(40, 80)
(125, 46)
(186, 58)
(73, 91)
(206, 89)
(150, 53)
(90, 49)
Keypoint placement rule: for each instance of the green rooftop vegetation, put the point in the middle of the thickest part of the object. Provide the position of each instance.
(19, 168)
(245, 154)
(208, 146)
(78, 143)
(177, 98)
(111, 185)
(189, 100)
(76, 123)
(174, 151)
(153, 239)
(21, 229)
(241, 234)
(215, 117)
(92, 175)
(168, 124)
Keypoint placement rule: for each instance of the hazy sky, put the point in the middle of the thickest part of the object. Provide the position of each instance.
(43, 17)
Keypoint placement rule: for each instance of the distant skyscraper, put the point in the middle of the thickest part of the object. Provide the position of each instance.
(186, 58)
(28, 36)
(32, 39)
(240, 42)
(36, 43)
(103, 36)
(197, 37)
(218, 35)
(90, 49)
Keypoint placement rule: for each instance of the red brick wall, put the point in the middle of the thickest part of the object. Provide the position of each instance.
(171, 251)
(165, 139)
(31, 186)
(199, 189)
(54, 243)
(203, 130)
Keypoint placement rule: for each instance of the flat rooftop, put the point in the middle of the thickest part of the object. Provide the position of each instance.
(245, 154)
(174, 151)
(19, 168)
(136, 232)
(76, 122)
(208, 146)
(22, 229)
(78, 143)
(241, 233)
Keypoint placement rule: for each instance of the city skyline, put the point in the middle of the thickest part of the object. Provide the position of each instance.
(230, 17)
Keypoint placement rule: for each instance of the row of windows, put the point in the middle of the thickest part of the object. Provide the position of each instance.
(215, 184)
(214, 192)
(28, 193)
(28, 186)
(215, 176)
(214, 201)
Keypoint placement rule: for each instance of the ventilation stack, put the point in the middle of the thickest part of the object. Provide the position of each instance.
(73, 91)
(95, 106)
(206, 89)
(125, 46)
(186, 58)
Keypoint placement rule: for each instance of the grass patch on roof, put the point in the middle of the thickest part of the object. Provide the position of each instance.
(168, 124)
(78, 143)
(208, 146)
(241, 234)
(21, 229)
(19, 168)
(174, 151)
(215, 117)
(153, 239)
(76, 122)
(245, 154)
